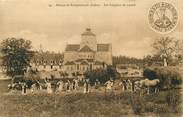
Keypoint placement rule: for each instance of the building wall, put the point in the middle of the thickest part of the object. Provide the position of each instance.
(104, 57)
(70, 68)
(90, 41)
(47, 67)
(99, 56)
(70, 56)
(81, 68)
(86, 55)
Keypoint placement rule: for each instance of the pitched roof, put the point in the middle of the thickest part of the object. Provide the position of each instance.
(90, 60)
(75, 47)
(102, 47)
(47, 58)
(86, 49)
(98, 63)
(79, 60)
(88, 33)
(84, 63)
(72, 47)
(70, 63)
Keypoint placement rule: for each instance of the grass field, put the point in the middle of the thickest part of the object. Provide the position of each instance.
(4, 86)
(96, 104)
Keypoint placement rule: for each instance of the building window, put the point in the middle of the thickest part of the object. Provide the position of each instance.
(51, 66)
(90, 66)
(77, 66)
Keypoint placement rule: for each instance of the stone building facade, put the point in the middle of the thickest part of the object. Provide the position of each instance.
(87, 55)
(47, 61)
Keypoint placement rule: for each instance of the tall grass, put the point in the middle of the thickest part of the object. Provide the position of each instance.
(110, 104)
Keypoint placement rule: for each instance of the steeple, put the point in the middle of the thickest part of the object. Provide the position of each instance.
(88, 32)
(88, 39)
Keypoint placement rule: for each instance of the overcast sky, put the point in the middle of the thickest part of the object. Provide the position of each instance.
(126, 28)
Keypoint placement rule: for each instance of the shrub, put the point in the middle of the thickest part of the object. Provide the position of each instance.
(102, 75)
(150, 73)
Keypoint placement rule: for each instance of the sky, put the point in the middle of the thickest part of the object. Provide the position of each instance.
(53, 27)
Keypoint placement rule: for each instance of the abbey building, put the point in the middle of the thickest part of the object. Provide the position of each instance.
(87, 55)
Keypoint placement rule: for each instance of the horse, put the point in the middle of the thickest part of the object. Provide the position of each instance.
(150, 83)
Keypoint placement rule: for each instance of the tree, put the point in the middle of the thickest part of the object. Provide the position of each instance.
(16, 55)
(151, 60)
(126, 60)
(168, 49)
(102, 75)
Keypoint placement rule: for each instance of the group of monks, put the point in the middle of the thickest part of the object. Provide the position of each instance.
(73, 85)
(61, 86)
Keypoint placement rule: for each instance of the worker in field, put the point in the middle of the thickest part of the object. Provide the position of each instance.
(60, 85)
(75, 83)
(48, 87)
(33, 87)
(86, 86)
(67, 85)
(24, 88)
(109, 84)
(123, 85)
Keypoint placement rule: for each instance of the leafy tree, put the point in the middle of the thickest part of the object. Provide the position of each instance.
(32, 74)
(16, 55)
(168, 49)
(102, 75)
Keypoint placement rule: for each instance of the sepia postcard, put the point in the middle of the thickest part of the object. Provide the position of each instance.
(91, 58)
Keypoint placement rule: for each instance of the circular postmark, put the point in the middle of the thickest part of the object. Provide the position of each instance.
(163, 17)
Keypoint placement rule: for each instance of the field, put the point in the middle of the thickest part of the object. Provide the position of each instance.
(96, 104)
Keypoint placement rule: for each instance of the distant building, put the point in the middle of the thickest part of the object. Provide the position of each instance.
(47, 61)
(87, 55)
